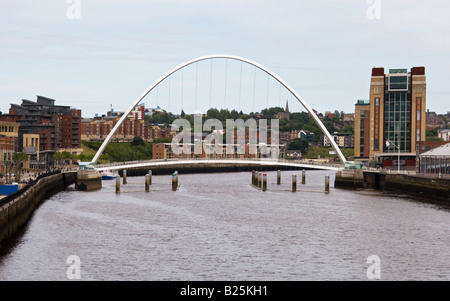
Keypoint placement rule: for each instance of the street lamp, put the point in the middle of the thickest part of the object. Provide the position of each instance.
(388, 142)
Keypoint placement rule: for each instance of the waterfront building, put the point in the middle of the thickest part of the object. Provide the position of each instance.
(57, 126)
(390, 124)
(436, 161)
(9, 133)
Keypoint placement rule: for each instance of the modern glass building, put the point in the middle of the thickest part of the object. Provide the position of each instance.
(390, 124)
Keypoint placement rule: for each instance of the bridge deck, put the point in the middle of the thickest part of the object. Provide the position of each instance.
(218, 163)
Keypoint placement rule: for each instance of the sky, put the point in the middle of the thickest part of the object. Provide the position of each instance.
(95, 55)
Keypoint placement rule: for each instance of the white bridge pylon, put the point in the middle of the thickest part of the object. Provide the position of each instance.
(221, 56)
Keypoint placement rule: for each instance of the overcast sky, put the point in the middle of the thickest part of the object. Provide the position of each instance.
(107, 52)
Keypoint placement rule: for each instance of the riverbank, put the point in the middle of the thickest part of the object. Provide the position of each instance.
(17, 208)
(429, 186)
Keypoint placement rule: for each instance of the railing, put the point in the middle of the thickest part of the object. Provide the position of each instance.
(30, 184)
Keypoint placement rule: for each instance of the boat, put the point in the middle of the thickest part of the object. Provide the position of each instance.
(109, 175)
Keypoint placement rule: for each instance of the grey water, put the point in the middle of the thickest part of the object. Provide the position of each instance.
(217, 227)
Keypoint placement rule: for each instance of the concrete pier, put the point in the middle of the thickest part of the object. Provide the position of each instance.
(88, 180)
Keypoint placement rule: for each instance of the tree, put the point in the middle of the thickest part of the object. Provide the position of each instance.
(300, 144)
(22, 156)
(137, 140)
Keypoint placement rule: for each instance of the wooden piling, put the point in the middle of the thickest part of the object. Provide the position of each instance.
(294, 183)
(117, 184)
(327, 184)
(124, 176)
(253, 177)
(303, 177)
(279, 177)
(174, 181)
(147, 183)
(264, 185)
(149, 177)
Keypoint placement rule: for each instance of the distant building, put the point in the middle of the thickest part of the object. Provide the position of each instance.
(58, 126)
(207, 151)
(302, 134)
(434, 121)
(395, 115)
(343, 140)
(286, 114)
(444, 134)
(99, 129)
(349, 117)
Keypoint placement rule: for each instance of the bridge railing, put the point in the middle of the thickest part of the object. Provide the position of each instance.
(284, 161)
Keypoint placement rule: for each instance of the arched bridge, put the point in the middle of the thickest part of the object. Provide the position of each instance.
(211, 165)
(209, 57)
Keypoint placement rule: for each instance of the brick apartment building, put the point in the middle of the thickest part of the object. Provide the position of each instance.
(58, 126)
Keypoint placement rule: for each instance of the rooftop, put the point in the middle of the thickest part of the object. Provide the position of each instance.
(441, 151)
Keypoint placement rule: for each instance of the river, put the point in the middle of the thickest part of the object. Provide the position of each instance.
(217, 227)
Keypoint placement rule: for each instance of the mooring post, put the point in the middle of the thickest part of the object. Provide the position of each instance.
(253, 177)
(257, 179)
(264, 186)
(260, 180)
(149, 177)
(303, 177)
(147, 183)
(174, 181)
(124, 176)
(117, 184)
(294, 183)
(279, 177)
(327, 184)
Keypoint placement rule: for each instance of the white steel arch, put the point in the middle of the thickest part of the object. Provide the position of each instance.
(225, 56)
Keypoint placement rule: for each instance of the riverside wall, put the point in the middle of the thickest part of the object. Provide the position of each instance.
(422, 186)
(16, 209)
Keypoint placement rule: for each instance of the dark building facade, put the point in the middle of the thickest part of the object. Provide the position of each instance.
(58, 126)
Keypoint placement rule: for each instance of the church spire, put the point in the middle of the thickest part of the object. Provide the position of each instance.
(287, 110)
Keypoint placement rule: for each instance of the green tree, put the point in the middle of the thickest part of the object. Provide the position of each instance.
(22, 156)
(137, 140)
(300, 144)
